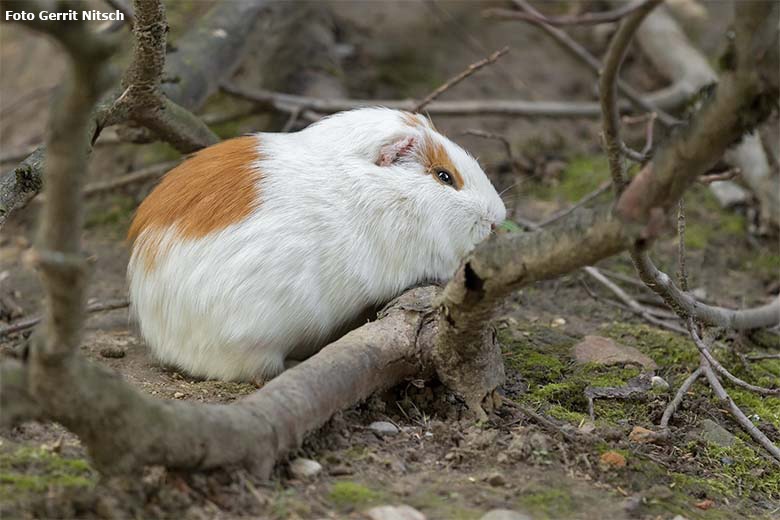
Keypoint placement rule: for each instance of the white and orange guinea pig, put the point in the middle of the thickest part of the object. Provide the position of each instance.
(258, 250)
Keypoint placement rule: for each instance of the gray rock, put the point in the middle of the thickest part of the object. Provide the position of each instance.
(504, 514)
(659, 383)
(715, 433)
(305, 468)
(401, 512)
(604, 351)
(383, 428)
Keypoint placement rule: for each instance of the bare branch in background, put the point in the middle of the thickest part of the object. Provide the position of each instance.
(504, 263)
(608, 82)
(471, 69)
(142, 101)
(217, 42)
(29, 323)
(582, 54)
(583, 19)
(691, 71)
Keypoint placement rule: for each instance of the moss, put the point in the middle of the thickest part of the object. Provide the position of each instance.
(767, 408)
(548, 503)
(348, 495)
(559, 412)
(741, 467)
(765, 263)
(672, 352)
(25, 469)
(581, 176)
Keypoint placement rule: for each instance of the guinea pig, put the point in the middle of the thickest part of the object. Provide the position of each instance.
(255, 251)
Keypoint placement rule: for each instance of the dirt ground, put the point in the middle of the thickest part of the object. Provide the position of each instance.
(437, 460)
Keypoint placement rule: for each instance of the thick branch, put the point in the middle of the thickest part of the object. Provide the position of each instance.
(255, 431)
(506, 262)
(690, 71)
(216, 44)
(616, 53)
(142, 101)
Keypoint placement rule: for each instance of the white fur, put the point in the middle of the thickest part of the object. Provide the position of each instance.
(333, 235)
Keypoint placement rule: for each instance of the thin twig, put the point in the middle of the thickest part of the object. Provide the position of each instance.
(582, 19)
(471, 69)
(582, 54)
(759, 357)
(722, 176)
(678, 397)
(682, 273)
(631, 303)
(546, 422)
(498, 137)
(738, 415)
(108, 305)
(288, 103)
(141, 175)
(608, 87)
(584, 200)
(705, 351)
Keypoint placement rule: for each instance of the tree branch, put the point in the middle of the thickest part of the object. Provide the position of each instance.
(216, 43)
(614, 15)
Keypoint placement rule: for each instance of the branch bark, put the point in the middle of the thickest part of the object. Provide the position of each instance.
(500, 264)
(690, 71)
(217, 44)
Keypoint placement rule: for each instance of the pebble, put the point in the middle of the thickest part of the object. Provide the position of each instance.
(496, 480)
(641, 435)
(659, 383)
(400, 512)
(304, 468)
(504, 514)
(178, 395)
(383, 428)
(112, 352)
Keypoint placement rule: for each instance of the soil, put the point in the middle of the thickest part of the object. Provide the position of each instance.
(439, 462)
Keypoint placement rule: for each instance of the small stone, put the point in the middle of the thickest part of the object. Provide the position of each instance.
(604, 351)
(704, 504)
(340, 470)
(383, 428)
(401, 512)
(613, 459)
(713, 432)
(659, 383)
(301, 468)
(496, 480)
(558, 322)
(587, 427)
(178, 395)
(504, 514)
(679, 517)
(641, 435)
(112, 351)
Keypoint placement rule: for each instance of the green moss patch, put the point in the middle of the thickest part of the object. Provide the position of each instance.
(347, 495)
(26, 470)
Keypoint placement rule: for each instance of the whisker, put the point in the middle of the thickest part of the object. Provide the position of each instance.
(509, 188)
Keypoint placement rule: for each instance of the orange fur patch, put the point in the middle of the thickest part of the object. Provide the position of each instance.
(209, 191)
(435, 157)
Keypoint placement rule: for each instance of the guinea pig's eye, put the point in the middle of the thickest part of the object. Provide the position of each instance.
(445, 177)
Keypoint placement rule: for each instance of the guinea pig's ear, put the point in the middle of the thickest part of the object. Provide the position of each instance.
(400, 149)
